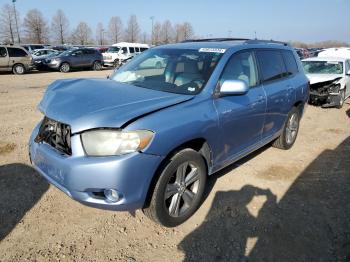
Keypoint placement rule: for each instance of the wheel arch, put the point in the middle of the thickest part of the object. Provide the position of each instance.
(199, 144)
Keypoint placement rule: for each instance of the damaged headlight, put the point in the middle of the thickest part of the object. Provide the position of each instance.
(334, 88)
(106, 142)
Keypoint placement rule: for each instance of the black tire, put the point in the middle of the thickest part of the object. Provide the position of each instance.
(65, 67)
(284, 141)
(18, 69)
(182, 198)
(342, 98)
(116, 63)
(97, 66)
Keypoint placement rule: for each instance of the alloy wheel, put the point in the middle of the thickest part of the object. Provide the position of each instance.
(292, 128)
(182, 189)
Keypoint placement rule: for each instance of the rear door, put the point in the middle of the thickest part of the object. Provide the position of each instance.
(18, 55)
(279, 90)
(4, 59)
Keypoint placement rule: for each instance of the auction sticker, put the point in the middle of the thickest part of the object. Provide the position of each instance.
(212, 50)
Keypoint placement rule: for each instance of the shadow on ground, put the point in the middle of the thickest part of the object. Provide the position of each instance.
(20, 188)
(310, 223)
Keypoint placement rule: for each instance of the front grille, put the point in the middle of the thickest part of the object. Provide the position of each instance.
(55, 134)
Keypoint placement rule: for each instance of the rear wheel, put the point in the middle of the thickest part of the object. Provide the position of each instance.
(179, 189)
(65, 67)
(18, 69)
(290, 130)
(97, 66)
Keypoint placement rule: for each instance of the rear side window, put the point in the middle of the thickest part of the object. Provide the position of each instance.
(16, 52)
(271, 64)
(291, 64)
(143, 49)
(89, 51)
(125, 50)
(3, 52)
(132, 50)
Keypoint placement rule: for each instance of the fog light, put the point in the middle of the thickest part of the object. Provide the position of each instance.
(111, 195)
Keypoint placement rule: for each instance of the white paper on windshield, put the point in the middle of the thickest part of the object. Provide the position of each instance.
(212, 50)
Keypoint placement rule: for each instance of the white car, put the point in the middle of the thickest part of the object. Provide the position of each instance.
(117, 53)
(335, 52)
(42, 52)
(329, 80)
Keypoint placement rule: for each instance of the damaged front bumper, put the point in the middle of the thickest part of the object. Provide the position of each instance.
(325, 94)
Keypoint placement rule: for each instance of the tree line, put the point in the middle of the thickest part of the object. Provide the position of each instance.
(36, 29)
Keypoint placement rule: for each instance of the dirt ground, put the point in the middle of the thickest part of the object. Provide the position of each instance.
(271, 206)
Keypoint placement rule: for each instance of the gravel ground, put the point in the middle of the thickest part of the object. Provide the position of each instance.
(271, 206)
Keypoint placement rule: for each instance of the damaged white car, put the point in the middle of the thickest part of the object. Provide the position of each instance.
(329, 80)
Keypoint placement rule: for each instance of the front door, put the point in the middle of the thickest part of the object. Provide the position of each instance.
(241, 117)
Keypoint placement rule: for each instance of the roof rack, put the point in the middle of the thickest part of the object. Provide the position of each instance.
(215, 40)
(258, 41)
(247, 41)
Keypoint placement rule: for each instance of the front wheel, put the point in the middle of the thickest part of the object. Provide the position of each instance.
(342, 98)
(290, 130)
(65, 68)
(179, 189)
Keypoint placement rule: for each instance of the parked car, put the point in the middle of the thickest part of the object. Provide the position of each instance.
(329, 80)
(40, 62)
(76, 59)
(335, 52)
(15, 59)
(122, 51)
(32, 48)
(149, 138)
(42, 52)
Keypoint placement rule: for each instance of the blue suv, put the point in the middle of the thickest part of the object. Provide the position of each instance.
(148, 137)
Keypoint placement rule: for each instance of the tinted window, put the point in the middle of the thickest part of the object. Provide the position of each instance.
(241, 67)
(37, 47)
(291, 64)
(132, 50)
(16, 52)
(271, 64)
(26, 48)
(137, 49)
(3, 52)
(89, 51)
(125, 50)
(78, 52)
(143, 49)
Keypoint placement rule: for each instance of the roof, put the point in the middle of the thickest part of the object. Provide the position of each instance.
(331, 59)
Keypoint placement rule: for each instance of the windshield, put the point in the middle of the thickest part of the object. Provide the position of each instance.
(323, 67)
(178, 71)
(113, 49)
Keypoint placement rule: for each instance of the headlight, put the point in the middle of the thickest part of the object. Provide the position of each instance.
(112, 142)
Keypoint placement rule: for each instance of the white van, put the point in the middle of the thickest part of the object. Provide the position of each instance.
(122, 51)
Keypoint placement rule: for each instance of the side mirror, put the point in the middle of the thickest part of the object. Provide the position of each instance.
(234, 87)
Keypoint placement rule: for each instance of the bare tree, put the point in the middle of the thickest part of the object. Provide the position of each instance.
(60, 27)
(187, 30)
(100, 34)
(82, 34)
(7, 24)
(133, 29)
(167, 32)
(157, 33)
(35, 27)
(145, 38)
(115, 28)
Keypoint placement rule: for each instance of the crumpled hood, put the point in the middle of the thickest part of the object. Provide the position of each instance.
(93, 103)
(319, 78)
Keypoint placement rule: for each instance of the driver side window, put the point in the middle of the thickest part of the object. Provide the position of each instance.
(242, 67)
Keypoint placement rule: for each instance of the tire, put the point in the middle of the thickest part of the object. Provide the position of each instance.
(342, 98)
(116, 63)
(96, 66)
(290, 130)
(174, 207)
(18, 69)
(65, 67)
